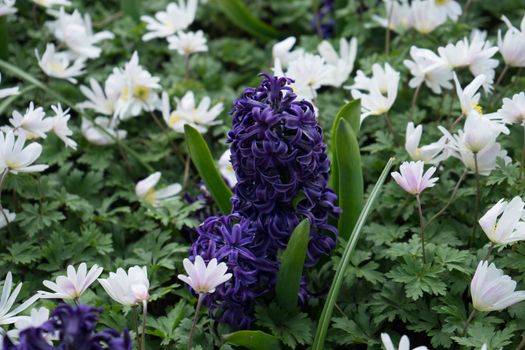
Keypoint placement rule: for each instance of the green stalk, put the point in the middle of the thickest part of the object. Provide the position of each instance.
(4, 38)
(326, 315)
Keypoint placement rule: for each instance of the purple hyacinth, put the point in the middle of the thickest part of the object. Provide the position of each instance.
(75, 326)
(279, 156)
(323, 21)
(280, 160)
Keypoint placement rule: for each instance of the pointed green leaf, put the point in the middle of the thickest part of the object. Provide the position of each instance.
(351, 113)
(326, 315)
(291, 270)
(253, 340)
(241, 16)
(350, 178)
(202, 159)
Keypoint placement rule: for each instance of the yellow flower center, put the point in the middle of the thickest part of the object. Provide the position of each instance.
(441, 2)
(477, 108)
(151, 196)
(124, 94)
(174, 119)
(57, 67)
(141, 92)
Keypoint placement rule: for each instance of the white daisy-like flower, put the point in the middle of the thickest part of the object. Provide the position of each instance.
(60, 127)
(427, 67)
(51, 3)
(423, 16)
(76, 32)
(60, 65)
(513, 109)
(7, 7)
(129, 288)
(512, 45)
(200, 116)
(136, 88)
(8, 299)
(6, 217)
(430, 154)
(8, 91)
(33, 124)
(15, 158)
(404, 343)
(36, 319)
(226, 168)
(469, 97)
(145, 189)
(177, 17)
(448, 8)
(503, 223)
(343, 62)
(202, 278)
(398, 15)
(93, 131)
(187, 43)
(73, 285)
(100, 100)
(283, 52)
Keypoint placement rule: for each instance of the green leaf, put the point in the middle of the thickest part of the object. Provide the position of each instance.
(351, 113)
(4, 38)
(243, 18)
(291, 270)
(328, 308)
(201, 156)
(131, 8)
(350, 178)
(254, 340)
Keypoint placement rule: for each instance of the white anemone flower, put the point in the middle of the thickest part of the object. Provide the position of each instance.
(424, 17)
(398, 16)
(309, 72)
(202, 278)
(427, 67)
(448, 8)
(404, 343)
(93, 131)
(59, 64)
(73, 285)
(51, 3)
(59, 125)
(145, 189)
(187, 43)
(343, 62)
(15, 158)
(469, 97)
(5, 217)
(100, 100)
(136, 87)
(283, 52)
(7, 7)
(512, 45)
(430, 154)
(226, 168)
(7, 301)
(8, 91)
(513, 110)
(200, 116)
(76, 32)
(413, 178)
(129, 288)
(492, 290)
(503, 223)
(36, 319)
(481, 61)
(176, 17)
(33, 124)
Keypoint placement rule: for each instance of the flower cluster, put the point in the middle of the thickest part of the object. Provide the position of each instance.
(280, 161)
(75, 326)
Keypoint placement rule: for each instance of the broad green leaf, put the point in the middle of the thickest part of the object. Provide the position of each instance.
(351, 113)
(326, 315)
(241, 16)
(253, 340)
(202, 159)
(291, 270)
(131, 8)
(350, 178)
(4, 38)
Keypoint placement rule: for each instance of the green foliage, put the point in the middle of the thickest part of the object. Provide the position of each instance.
(253, 340)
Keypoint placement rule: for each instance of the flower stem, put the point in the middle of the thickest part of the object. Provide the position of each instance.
(195, 319)
(186, 171)
(451, 199)
(413, 104)
(2, 180)
(186, 66)
(476, 205)
(521, 345)
(136, 325)
(522, 161)
(489, 252)
(453, 125)
(144, 319)
(467, 322)
(387, 34)
(501, 76)
(421, 228)
(390, 126)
